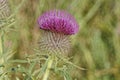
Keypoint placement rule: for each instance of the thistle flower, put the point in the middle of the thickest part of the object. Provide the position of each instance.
(4, 9)
(58, 21)
(57, 26)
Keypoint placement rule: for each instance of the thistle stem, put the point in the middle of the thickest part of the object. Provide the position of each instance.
(1, 41)
(49, 65)
(1, 50)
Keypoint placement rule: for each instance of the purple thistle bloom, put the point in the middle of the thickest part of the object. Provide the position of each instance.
(58, 21)
(56, 26)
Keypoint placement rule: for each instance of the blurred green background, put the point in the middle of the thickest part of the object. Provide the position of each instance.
(97, 45)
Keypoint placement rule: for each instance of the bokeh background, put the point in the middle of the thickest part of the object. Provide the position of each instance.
(97, 45)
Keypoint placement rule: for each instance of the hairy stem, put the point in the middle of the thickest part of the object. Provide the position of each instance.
(47, 72)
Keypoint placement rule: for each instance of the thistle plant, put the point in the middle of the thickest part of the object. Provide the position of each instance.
(56, 26)
(6, 51)
(4, 13)
(96, 47)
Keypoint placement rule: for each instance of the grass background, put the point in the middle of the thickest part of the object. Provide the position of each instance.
(96, 46)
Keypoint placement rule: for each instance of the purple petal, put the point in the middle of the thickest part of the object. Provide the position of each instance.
(58, 21)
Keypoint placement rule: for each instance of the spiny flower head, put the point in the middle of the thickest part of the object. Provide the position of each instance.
(57, 26)
(4, 9)
(58, 21)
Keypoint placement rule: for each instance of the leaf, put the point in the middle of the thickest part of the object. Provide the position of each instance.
(42, 69)
(66, 75)
(18, 61)
(32, 65)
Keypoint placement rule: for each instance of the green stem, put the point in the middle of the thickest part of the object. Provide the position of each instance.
(47, 72)
(1, 50)
(1, 43)
(1, 46)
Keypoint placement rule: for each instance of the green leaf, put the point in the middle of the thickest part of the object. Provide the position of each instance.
(31, 67)
(42, 70)
(66, 75)
(18, 61)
